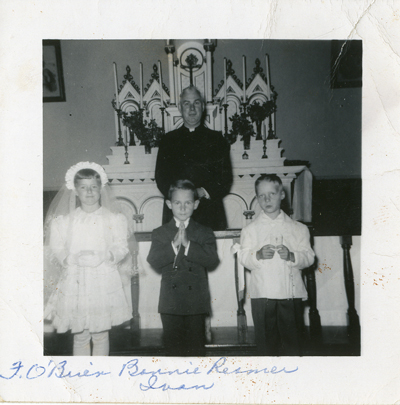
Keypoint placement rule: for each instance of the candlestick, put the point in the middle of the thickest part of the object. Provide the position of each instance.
(270, 131)
(244, 79)
(161, 86)
(116, 85)
(264, 156)
(141, 83)
(226, 118)
(162, 119)
(225, 83)
(267, 69)
(131, 138)
(120, 141)
(126, 155)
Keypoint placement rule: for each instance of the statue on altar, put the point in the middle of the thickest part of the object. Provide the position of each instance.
(199, 154)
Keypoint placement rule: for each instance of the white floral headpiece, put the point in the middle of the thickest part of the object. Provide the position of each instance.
(70, 175)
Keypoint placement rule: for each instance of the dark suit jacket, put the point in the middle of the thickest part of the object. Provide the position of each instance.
(203, 157)
(184, 288)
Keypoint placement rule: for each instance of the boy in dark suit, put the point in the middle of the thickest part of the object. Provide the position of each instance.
(183, 251)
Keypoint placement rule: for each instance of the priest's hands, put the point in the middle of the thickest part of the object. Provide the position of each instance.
(201, 192)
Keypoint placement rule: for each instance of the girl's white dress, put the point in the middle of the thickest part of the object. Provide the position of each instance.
(90, 298)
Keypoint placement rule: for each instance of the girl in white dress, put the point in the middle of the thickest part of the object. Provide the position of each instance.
(87, 261)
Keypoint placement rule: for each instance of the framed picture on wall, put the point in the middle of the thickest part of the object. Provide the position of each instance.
(53, 78)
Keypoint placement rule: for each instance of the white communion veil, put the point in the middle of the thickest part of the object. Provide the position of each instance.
(62, 209)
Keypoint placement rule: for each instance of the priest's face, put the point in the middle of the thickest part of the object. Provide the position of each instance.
(191, 107)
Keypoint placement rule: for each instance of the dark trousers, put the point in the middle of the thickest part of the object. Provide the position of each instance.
(278, 326)
(184, 335)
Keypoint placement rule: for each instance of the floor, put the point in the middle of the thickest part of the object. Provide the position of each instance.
(334, 341)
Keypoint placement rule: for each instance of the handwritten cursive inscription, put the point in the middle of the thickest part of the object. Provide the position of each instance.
(216, 367)
(132, 368)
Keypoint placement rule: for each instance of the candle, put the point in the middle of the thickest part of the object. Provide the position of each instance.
(161, 89)
(116, 125)
(244, 79)
(225, 83)
(267, 69)
(141, 83)
(116, 84)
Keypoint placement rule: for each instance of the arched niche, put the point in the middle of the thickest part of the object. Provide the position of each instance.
(152, 209)
(154, 112)
(235, 205)
(255, 206)
(233, 107)
(129, 209)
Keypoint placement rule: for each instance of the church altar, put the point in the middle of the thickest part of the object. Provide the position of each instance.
(131, 168)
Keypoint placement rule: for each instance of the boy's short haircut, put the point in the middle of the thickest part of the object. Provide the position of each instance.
(272, 178)
(84, 174)
(182, 185)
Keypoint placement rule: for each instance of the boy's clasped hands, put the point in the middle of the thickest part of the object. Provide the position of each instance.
(267, 252)
(181, 238)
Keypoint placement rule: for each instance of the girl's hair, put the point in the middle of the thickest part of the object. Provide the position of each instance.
(87, 174)
(182, 185)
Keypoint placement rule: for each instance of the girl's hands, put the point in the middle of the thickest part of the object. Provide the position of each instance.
(90, 258)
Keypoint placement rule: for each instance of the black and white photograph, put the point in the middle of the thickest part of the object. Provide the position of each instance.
(205, 120)
(200, 202)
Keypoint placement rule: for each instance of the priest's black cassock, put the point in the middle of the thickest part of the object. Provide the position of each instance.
(201, 156)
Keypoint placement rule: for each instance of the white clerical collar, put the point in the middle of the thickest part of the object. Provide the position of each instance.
(191, 129)
(178, 222)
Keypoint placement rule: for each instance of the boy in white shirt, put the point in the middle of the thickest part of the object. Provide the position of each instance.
(275, 249)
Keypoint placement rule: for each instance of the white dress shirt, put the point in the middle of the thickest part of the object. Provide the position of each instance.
(276, 278)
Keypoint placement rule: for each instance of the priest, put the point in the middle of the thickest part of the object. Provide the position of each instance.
(198, 154)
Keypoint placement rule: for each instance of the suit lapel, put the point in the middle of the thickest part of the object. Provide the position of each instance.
(172, 229)
(192, 230)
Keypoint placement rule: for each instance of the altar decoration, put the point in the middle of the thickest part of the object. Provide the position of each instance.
(259, 112)
(242, 105)
(147, 132)
(243, 127)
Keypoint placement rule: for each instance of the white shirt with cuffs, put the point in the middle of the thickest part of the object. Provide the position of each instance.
(276, 278)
